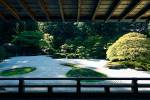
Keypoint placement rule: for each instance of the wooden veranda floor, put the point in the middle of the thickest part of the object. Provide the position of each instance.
(73, 97)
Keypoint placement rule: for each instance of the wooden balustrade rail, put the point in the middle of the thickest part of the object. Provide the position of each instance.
(134, 85)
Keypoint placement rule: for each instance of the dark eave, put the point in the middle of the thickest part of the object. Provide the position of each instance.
(75, 10)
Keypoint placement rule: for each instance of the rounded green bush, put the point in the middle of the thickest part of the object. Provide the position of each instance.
(130, 47)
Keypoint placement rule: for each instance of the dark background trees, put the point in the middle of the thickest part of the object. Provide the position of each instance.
(81, 39)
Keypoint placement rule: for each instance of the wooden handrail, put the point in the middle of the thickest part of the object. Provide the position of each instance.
(21, 86)
(134, 85)
(90, 78)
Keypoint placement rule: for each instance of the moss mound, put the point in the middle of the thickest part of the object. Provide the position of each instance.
(17, 71)
(84, 72)
(70, 65)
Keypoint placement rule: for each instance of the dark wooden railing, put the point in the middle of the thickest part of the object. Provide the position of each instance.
(134, 85)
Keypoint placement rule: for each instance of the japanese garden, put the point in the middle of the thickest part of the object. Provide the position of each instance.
(74, 46)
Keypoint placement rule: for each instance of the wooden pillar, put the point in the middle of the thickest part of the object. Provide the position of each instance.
(134, 86)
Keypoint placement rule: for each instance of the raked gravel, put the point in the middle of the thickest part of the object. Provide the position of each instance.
(47, 67)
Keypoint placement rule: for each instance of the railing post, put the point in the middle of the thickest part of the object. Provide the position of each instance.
(21, 86)
(50, 90)
(107, 89)
(78, 86)
(134, 86)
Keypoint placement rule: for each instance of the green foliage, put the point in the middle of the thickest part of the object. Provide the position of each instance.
(82, 52)
(137, 65)
(66, 50)
(95, 46)
(130, 47)
(117, 65)
(3, 53)
(28, 39)
(129, 64)
(34, 41)
(84, 39)
(84, 72)
(17, 71)
(46, 43)
(90, 47)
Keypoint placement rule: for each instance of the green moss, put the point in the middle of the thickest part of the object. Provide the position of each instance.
(84, 72)
(70, 65)
(17, 71)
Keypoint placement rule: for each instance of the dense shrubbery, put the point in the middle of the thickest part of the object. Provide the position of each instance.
(46, 44)
(69, 39)
(33, 42)
(3, 53)
(89, 47)
(133, 48)
(85, 39)
(137, 65)
(28, 42)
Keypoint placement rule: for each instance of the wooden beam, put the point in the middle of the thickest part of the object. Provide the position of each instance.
(112, 9)
(142, 11)
(94, 14)
(3, 18)
(28, 9)
(130, 8)
(61, 9)
(44, 7)
(79, 6)
(10, 9)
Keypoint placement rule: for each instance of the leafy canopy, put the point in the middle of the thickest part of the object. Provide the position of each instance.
(28, 39)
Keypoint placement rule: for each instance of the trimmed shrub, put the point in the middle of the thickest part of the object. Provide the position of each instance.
(130, 47)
